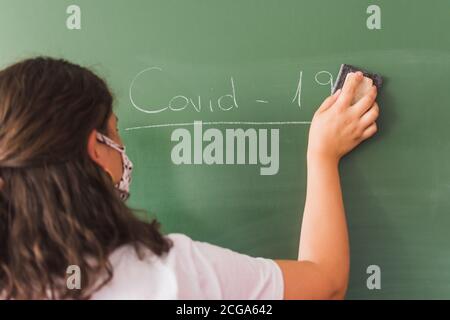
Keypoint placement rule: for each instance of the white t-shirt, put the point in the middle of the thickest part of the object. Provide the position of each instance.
(191, 270)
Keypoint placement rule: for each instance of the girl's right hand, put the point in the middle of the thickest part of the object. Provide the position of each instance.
(338, 126)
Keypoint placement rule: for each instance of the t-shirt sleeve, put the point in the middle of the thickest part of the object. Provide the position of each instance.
(206, 271)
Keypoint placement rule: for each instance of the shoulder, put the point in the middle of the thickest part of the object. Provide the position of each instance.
(213, 272)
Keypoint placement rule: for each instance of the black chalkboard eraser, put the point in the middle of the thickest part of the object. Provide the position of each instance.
(346, 68)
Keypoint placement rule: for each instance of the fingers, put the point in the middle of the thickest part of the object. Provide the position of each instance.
(366, 102)
(369, 132)
(348, 90)
(370, 116)
(328, 102)
(363, 88)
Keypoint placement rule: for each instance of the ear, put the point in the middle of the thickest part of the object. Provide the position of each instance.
(96, 151)
(92, 147)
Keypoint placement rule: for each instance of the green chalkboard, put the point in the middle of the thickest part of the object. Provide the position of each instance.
(271, 63)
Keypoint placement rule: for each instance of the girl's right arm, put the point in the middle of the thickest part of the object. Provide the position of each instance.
(322, 268)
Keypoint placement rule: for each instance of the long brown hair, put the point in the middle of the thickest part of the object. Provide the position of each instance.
(57, 206)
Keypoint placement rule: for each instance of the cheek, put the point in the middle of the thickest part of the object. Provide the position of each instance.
(116, 165)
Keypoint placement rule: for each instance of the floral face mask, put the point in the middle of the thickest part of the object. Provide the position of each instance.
(123, 186)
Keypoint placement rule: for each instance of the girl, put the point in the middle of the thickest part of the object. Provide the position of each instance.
(64, 175)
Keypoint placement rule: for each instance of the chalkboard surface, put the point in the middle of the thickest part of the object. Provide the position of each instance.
(266, 66)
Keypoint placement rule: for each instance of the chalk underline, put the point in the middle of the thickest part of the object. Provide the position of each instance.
(277, 123)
